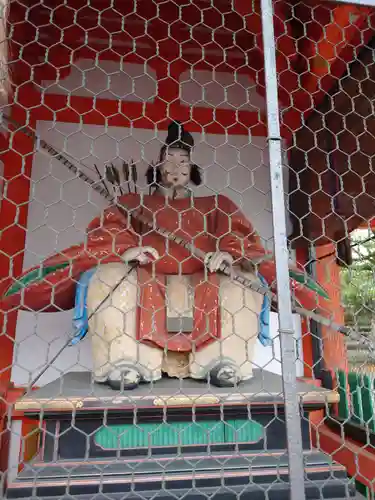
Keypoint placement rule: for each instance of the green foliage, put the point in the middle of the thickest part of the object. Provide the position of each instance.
(358, 284)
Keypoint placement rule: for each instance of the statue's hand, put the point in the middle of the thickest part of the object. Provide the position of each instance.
(214, 260)
(143, 255)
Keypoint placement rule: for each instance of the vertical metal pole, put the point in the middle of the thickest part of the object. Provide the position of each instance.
(286, 326)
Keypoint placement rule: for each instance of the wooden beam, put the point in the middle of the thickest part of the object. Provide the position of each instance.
(334, 35)
(13, 224)
(339, 43)
(358, 459)
(115, 113)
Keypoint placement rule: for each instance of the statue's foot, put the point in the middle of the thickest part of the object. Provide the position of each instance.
(223, 375)
(124, 379)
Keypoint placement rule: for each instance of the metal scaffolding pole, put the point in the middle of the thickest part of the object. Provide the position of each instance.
(286, 325)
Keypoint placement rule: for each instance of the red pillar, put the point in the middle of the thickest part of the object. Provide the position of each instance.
(13, 224)
(17, 158)
(328, 274)
(334, 347)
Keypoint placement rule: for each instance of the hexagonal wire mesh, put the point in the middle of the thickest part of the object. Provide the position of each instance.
(163, 228)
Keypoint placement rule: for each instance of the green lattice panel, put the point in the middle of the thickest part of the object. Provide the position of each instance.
(243, 431)
(342, 382)
(368, 401)
(178, 433)
(355, 386)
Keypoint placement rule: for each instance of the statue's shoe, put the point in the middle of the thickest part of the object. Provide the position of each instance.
(124, 379)
(224, 375)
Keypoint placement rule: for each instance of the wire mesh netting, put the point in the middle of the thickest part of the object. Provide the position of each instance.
(187, 249)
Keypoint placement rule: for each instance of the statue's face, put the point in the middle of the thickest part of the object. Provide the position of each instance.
(175, 168)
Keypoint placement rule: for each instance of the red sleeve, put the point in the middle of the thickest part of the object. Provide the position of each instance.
(236, 234)
(108, 237)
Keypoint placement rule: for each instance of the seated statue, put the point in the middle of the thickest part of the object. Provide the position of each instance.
(150, 306)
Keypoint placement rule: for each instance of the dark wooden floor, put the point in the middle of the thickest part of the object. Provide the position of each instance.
(79, 388)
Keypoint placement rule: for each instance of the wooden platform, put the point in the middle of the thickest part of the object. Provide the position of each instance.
(220, 477)
(76, 391)
(172, 439)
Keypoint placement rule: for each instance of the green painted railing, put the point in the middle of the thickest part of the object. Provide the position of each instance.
(357, 406)
(357, 398)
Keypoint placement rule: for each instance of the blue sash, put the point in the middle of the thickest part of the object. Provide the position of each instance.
(264, 335)
(80, 318)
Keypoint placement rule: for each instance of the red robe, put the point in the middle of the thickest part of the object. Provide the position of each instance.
(212, 223)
